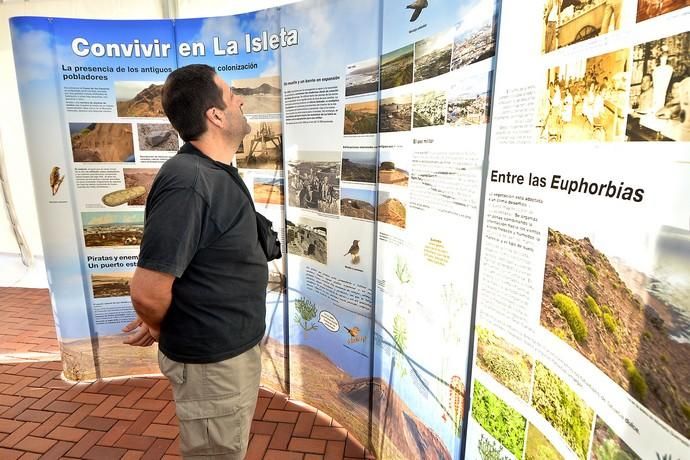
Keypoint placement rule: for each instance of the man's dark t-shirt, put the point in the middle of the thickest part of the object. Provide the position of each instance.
(201, 228)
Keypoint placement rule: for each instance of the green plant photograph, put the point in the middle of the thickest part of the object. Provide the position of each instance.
(607, 446)
(500, 420)
(505, 362)
(563, 409)
(305, 313)
(538, 447)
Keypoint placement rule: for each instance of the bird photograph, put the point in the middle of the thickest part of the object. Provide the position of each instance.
(353, 252)
(417, 6)
(55, 179)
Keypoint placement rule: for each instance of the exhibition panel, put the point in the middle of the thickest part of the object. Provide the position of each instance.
(483, 210)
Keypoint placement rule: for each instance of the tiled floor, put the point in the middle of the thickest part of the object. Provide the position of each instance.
(42, 416)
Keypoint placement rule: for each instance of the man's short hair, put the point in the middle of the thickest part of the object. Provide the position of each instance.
(188, 93)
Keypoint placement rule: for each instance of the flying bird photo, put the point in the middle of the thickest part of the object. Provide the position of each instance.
(417, 6)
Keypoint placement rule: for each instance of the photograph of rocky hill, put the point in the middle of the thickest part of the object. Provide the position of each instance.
(145, 102)
(106, 142)
(260, 95)
(616, 319)
(338, 394)
(142, 177)
(391, 211)
(359, 167)
(358, 203)
(360, 118)
(390, 174)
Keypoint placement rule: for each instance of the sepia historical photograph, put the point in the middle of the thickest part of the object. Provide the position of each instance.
(308, 238)
(660, 82)
(262, 148)
(315, 184)
(585, 100)
(260, 95)
(572, 21)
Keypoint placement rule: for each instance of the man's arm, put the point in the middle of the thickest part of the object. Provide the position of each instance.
(151, 293)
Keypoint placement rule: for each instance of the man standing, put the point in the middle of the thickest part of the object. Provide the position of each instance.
(552, 11)
(200, 285)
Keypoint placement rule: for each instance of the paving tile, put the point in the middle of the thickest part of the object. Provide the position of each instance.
(166, 414)
(281, 437)
(113, 434)
(77, 416)
(104, 453)
(257, 446)
(313, 457)
(80, 448)
(134, 442)
(261, 406)
(57, 451)
(335, 450)
(304, 425)
(261, 427)
(156, 450)
(329, 433)
(161, 431)
(133, 455)
(30, 415)
(282, 455)
(132, 397)
(64, 433)
(34, 444)
(96, 423)
(272, 415)
(306, 445)
(63, 406)
(278, 401)
(124, 413)
(141, 424)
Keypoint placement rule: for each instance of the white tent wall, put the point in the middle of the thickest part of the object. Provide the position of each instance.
(13, 143)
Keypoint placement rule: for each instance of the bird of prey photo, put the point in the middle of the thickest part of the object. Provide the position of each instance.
(417, 6)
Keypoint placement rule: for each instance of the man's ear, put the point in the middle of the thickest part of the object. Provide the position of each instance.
(214, 116)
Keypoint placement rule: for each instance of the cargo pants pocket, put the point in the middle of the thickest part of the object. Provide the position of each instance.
(210, 427)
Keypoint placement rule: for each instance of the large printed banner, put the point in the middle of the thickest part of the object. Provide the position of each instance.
(91, 98)
(583, 310)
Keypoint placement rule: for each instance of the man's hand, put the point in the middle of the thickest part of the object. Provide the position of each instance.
(144, 336)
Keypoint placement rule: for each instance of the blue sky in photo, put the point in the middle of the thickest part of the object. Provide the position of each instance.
(332, 34)
(227, 28)
(359, 194)
(439, 16)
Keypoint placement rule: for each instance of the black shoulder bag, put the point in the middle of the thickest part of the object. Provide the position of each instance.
(268, 238)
